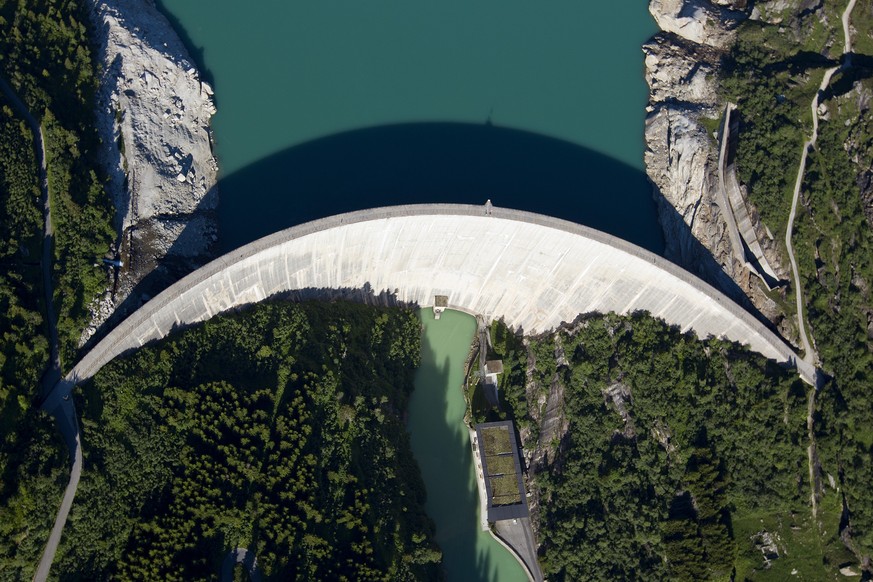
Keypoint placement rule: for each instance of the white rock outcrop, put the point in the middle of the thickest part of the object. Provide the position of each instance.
(681, 157)
(153, 118)
(699, 21)
(682, 66)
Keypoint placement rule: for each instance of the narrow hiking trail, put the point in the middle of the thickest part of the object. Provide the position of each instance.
(808, 352)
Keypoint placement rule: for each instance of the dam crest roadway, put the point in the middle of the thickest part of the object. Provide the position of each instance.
(532, 270)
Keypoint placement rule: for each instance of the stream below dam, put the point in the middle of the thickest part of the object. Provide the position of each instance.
(441, 444)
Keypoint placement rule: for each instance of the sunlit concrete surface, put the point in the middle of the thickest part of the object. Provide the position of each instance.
(740, 228)
(534, 271)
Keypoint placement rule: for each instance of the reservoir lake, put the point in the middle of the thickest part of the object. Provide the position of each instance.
(328, 107)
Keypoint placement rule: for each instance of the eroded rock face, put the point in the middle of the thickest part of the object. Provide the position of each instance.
(699, 21)
(682, 65)
(678, 70)
(772, 11)
(153, 118)
(681, 156)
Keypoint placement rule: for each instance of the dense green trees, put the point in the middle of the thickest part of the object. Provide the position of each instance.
(81, 214)
(23, 344)
(33, 482)
(278, 429)
(837, 267)
(775, 71)
(47, 57)
(670, 441)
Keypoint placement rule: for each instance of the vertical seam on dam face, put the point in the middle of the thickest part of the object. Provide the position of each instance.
(534, 271)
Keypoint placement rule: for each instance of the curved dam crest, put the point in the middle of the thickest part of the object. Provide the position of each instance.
(532, 270)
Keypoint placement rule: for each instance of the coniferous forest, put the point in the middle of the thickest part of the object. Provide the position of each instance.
(46, 57)
(278, 429)
(679, 458)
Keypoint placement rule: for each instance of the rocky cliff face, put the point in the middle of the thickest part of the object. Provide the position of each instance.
(699, 21)
(153, 119)
(682, 64)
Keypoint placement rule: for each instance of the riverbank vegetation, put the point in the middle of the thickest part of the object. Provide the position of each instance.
(681, 459)
(774, 72)
(278, 429)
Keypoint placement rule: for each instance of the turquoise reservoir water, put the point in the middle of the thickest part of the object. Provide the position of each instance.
(441, 445)
(335, 105)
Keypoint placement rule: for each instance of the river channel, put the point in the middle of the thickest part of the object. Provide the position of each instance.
(441, 444)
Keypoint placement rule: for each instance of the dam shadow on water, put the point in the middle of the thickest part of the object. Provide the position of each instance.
(437, 162)
(416, 163)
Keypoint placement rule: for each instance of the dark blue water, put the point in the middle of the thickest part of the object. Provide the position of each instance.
(437, 162)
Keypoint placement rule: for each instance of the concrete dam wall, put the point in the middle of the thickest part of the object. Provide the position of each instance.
(532, 270)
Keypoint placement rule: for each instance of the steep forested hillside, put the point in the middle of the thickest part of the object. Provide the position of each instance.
(45, 56)
(23, 343)
(681, 459)
(278, 429)
(773, 73)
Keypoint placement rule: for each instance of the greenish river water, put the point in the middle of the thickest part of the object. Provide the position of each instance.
(441, 444)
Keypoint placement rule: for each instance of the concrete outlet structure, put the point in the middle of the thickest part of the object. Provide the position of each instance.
(534, 271)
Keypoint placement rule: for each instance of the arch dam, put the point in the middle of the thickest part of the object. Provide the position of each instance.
(533, 270)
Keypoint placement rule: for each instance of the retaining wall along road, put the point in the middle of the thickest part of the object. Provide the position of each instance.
(533, 270)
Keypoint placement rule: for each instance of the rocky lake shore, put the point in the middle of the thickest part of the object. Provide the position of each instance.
(154, 111)
(153, 115)
(682, 147)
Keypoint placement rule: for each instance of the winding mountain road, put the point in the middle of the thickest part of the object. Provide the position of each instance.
(53, 374)
(64, 412)
(808, 353)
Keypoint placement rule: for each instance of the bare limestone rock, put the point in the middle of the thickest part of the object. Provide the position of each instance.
(153, 118)
(772, 11)
(681, 157)
(699, 21)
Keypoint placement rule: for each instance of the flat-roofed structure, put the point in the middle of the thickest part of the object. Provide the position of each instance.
(506, 496)
(533, 270)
